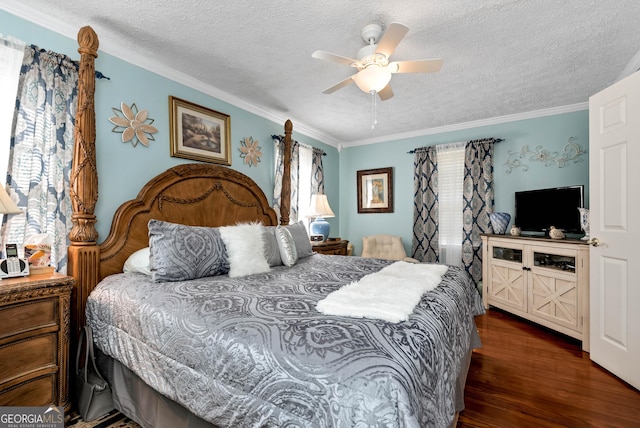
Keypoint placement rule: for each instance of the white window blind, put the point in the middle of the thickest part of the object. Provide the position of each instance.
(450, 201)
(11, 54)
(304, 182)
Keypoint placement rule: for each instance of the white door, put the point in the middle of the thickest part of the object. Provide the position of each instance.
(614, 210)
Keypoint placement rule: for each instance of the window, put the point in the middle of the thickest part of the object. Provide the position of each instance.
(450, 197)
(11, 54)
(304, 183)
(41, 150)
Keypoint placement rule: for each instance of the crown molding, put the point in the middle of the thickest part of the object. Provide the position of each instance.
(473, 124)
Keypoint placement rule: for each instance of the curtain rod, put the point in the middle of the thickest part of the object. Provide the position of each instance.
(495, 140)
(281, 137)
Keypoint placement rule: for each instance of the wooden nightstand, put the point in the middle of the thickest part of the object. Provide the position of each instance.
(331, 247)
(34, 340)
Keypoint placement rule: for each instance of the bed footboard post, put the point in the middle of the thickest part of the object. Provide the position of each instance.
(83, 264)
(83, 253)
(285, 195)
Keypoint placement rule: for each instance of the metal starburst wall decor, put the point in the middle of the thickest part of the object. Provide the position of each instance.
(250, 151)
(134, 124)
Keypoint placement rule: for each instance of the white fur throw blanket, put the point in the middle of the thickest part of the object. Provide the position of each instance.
(390, 294)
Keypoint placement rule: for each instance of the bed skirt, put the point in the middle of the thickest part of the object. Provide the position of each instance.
(150, 409)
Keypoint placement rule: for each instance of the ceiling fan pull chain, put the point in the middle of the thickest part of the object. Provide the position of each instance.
(374, 121)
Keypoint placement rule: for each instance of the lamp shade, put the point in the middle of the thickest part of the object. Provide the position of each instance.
(7, 206)
(373, 78)
(320, 207)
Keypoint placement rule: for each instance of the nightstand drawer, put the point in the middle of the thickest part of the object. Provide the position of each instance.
(335, 252)
(30, 316)
(36, 392)
(27, 357)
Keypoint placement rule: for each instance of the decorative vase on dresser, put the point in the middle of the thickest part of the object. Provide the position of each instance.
(584, 222)
(499, 222)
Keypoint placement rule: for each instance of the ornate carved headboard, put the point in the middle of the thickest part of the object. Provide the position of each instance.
(193, 194)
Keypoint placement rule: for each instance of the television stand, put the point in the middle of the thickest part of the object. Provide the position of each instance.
(540, 279)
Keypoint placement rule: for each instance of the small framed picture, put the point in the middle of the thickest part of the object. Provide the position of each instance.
(199, 133)
(375, 190)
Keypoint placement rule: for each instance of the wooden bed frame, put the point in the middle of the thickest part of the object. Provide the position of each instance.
(194, 194)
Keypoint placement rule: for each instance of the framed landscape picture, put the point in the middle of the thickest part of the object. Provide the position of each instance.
(199, 133)
(375, 190)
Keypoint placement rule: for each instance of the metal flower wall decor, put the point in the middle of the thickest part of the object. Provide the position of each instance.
(250, 151)
(570, 153)
(134, 124)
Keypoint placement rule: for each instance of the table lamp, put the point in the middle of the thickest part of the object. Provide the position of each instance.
(320, 210)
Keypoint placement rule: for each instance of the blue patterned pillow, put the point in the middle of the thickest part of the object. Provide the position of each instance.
(180, 252)
(301, 238)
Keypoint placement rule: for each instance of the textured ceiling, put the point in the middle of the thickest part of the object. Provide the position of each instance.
(501, 57)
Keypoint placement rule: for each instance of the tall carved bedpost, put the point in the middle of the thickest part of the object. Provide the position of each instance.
(84, 253)
(285, 195)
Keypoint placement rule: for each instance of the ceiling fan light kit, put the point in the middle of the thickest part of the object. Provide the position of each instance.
(374, 69)
(373, 78)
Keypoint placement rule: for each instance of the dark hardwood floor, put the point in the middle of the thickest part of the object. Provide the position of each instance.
(528, 376)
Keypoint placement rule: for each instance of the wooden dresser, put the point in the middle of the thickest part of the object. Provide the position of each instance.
(34, 340)
(337, 247)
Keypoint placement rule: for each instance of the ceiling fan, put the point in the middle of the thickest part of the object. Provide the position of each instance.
(374, 69)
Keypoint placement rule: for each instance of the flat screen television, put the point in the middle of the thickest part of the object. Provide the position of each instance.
(537, 210)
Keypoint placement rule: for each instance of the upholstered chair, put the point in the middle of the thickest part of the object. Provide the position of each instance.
(384, 246)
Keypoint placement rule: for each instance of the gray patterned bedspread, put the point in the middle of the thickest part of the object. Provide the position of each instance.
(254, 352)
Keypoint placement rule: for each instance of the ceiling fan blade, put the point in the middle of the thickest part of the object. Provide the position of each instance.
(390, 39)
(339, 85)
(326, 56)
(416, 66)
(385, 93)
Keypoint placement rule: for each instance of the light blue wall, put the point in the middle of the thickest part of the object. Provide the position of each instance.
(123, 169)
(551, 132)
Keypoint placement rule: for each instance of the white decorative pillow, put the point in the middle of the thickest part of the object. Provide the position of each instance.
(287, 246)
(139, 262)
(245, 247)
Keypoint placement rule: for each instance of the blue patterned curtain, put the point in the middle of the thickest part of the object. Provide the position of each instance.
(425, 206)
(317, 172)
(278, 141)
(42, 150)
(478, 202)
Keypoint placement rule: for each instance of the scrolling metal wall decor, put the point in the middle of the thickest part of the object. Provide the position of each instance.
(570, 153)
